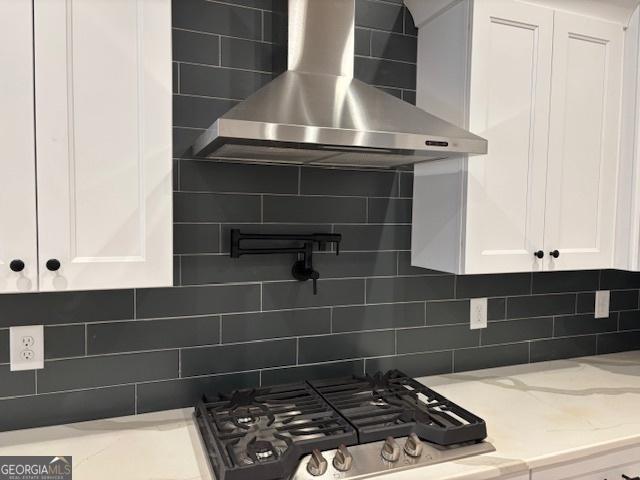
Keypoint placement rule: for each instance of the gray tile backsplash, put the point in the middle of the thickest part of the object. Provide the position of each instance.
(231, 323)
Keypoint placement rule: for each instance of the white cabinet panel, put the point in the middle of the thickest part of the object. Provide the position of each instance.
(103, 123)
(510, 90)
(583, 142)
(17, 157)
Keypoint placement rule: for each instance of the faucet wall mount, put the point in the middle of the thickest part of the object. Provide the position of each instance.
(302, 269)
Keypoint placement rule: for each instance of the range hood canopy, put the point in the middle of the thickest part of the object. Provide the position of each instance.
(316, 112)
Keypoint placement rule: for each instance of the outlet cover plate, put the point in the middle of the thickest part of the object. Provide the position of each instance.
(602, 303)
(478, 313)
(26, 345)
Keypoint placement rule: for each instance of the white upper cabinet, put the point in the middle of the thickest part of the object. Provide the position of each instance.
(544, 88)
(17, 157)
(509, 106)
(583, 142)
(102, 142)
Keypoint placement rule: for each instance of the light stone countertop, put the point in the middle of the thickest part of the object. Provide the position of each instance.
(537, 415)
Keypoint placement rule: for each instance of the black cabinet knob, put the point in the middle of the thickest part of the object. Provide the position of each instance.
(555, 254)
(53, 265)
(16, 265)
(539, 254)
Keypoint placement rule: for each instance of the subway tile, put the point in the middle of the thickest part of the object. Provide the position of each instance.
(396, 92)
(214, 207)
(140, 335)
(586, 303)
(541, 305)
(195, 47)
(404, 263)
(287, 323)
(409, 96)
(334, 181)
(619, 279)
(207, 269)
(375, 317)
(176, 271)
(183, 139)
(318, 371)
(392, 46)
(4, 346)
(445, 313)
(64, 341)
(252, 55)
(362, 42)
(198, 112)
(220, 82)
(54, 308)
(270, 229)
(288, 209)
(490, 357)
(175, 77)
(472, 286)
(509, 331)
(623, 300)
(276, 27)
(283, 295)
(583, 324)
(186, 392)
(67, 407)
(496, 308)
(406, 184)
(559, 282)
(388, 210)
(387, 73)
(213, 176)
(196, 238)
(374, 237)
(560, 348)
(378, 15)
(261, 4)
(618, 342)
(218, 18)
(346, 345)
(355, 264)
(408, 289)
(16, 383)
(414, 365)
(106, 370)
(175, 174)
(409, 25)
(427, 339)
(183, 301)
(238, 357)
(629, 320)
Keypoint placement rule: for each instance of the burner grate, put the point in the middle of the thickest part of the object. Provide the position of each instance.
(397, 405)
(262, 433)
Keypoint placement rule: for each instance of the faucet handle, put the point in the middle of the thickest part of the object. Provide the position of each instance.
(315, 275)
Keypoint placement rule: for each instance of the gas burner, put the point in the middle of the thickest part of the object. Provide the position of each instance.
(259, 450)
(261, 434)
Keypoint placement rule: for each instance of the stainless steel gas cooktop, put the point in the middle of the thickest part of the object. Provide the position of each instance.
(353, 427)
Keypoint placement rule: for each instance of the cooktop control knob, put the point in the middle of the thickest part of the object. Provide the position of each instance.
(390, 450)
(317, 463)
(342, 460)
(413, 446)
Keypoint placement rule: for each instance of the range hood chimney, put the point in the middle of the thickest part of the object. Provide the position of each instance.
(317, 113)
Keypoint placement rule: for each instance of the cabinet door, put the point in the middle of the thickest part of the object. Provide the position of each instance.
(17, 159)
(509, 106)
(103, 123)
(583, 142)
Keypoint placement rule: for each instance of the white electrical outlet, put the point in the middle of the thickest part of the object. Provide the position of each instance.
(478, 313)
(602, 303)
(27, 347)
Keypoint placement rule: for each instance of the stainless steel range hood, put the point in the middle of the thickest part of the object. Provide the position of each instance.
(316, 112)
